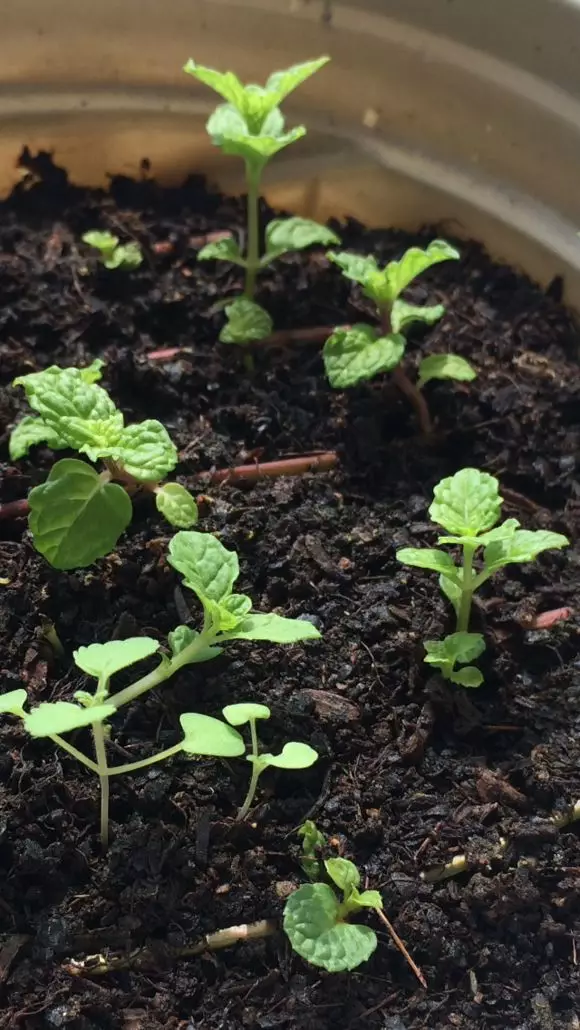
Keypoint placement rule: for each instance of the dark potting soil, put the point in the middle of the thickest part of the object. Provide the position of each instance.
(411, 773)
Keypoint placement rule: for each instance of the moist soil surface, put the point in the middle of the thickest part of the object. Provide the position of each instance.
(412, 772)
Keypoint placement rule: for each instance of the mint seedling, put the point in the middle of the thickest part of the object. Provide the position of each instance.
(312, 842)
(250, 125)
(468, 506)
(360, 352)
(79, 513)
(316, 919)
(112, 253)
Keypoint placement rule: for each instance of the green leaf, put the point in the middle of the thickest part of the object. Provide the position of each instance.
(62, 717)
(226, 84)
(274, 628)
(182, 637)
(290, 234)
(357, 267)
(343, 873)
(61, 394)
(91, 373)
(467, 503)
(238, 715)
(365, 899)
(76, 516)
(457, 647)
(451, 588)
(294, 755)
(503, 532)
(229, 131)
(29, 432)
(105, 242)
(311, 923)
(281, 83)
(246, 321)
(403, 315)
(467, 677)
(523, 546)
(147, 451)
(400, 273)
(204, 735)
(357, 353)
(97, 438)
(177, 505)
(445, 366)
(207, 567)
(13, 702)
(227, 249)
(427, 558)
(126, 256)
(312, 841)
(104, 660)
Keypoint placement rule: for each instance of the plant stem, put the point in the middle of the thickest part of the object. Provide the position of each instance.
(402, 381)
(164, 671)
(103, 771)
(253, 176)
(134, 766)
(467, 588)
(256, 773)
(64, 744)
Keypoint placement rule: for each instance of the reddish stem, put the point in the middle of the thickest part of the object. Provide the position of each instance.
(281, 338)
(14, 509)
(272, 469)
(402, 381)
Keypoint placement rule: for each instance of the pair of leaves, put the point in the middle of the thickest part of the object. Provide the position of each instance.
(113, 253)
(204, 735)
(283, 235)
(51, 718)
(385, 285)
(210, 570)
(457, 649)
(314, 920)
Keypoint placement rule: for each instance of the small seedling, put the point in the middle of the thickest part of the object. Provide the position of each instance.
(316, 919)
(468, 506)
(294, 755)
(360, 352)
(312, 843)
(79, 513)
(250, 125)
(211, 571)
(112, 253)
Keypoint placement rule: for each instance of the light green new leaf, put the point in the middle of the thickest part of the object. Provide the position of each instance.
(238, 715)
(467, 503)
(147, 451)
(95, 437)
(294, 755)
(284, 82)
(503, 532)
(125, 256)
(183, 637)
(523, 546)
(13, 702)
(226, 84)
(467, 677)
(356, 354)
(58, 394)
(365, 899)
(427, 558)
(62, 717)
(91, 373)
(29, 432)
(343, 873)
(274, 628)
(207, 567)
(204, 735)
(222, 250)
(451, 588)
(311, 922)
(229, 131)
(177, 505)
(246, 321)
(403, 315)
(457, 647)
(290, 234)
(75, 516)
(105, 242)
(415, 261)
(357, 267)
(104, 660)
(445, 366)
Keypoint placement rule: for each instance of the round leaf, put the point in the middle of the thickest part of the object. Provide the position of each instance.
(343, 873)
(294, 755)
(246, 321)
(106, 659)
(177, 505)
(356, 354)
(204, 735)
(62, 717)
(466, 503)
(75, 516)
(147, 451)
(311, 924)
(239, 714)
(13, 702)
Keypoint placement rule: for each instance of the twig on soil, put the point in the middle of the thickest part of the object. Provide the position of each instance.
(397, 940)
(14, 509)
(146, 958)
(322, 462)
(281, 338)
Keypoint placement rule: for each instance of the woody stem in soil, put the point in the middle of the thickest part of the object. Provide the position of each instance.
(404, 384)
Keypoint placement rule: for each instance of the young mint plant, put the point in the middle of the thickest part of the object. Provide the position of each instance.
(112, 253)
(316, 919)
(457, 648)
(79, 513)
(250, 125)
(468, 506)
(312, 842)
(360, 352)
